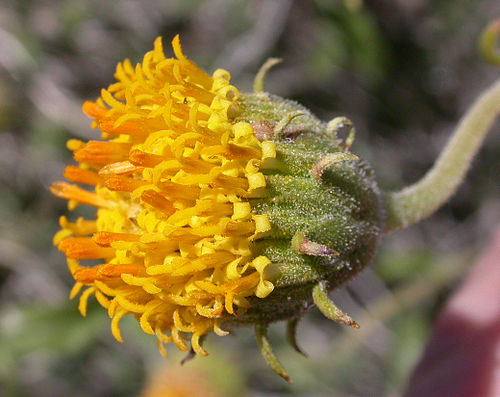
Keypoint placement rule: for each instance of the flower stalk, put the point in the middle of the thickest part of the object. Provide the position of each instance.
(418, 201)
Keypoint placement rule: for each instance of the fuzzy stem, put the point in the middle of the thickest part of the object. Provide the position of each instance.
(421, 199)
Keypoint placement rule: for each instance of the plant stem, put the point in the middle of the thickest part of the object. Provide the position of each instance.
(421, 199)
(488, 43)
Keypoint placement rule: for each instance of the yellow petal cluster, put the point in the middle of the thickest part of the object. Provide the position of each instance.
(171, 179)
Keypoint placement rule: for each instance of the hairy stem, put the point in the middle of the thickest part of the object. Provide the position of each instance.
(421, 199)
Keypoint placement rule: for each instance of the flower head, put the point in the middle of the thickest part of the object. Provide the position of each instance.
(171, 178)
(199, 189)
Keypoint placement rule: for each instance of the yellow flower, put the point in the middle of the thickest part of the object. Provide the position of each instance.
(171, 179)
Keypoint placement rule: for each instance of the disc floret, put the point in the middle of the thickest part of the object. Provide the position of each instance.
(171, 179)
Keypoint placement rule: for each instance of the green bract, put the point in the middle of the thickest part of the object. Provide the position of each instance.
(325, 209)
(323, 203)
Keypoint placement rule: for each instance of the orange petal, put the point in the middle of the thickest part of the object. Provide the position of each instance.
(127, 127)
(142, 159)
(98, 152)
(88, 275)
(123, 184)
(93, 110)
(79, 175)
(120, 168)
(158, 201)
(104, 239)
(84, 248)
(72, 192)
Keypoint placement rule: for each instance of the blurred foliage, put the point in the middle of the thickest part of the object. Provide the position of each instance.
(403, 71)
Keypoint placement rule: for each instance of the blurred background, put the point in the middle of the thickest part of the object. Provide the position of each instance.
(403, 70)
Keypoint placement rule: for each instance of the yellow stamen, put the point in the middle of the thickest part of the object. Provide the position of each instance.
(172, 179)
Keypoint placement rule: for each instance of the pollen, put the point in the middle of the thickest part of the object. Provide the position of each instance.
(171, 177)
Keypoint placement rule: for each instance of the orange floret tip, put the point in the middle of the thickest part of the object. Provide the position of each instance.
(72, 192)
(158, 201)
(105, 272)
(120, 168)
(79, 175)
(104, 239)
(123, 183)
(96, 152)
(140, 158)
(84, 248)
(127, 127)
(93, 110)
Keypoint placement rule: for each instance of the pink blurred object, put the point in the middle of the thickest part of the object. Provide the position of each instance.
(463, 355)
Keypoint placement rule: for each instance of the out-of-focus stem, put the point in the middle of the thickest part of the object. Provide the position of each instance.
(421, 199)
(488, 43)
